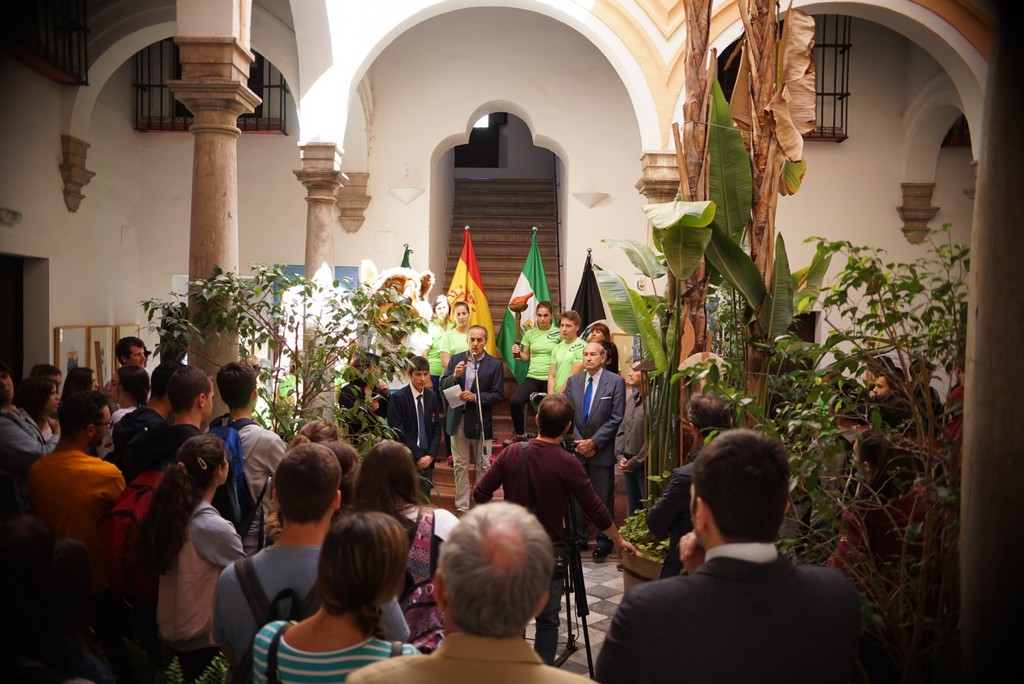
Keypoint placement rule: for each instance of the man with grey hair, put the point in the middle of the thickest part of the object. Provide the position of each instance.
(492, 577)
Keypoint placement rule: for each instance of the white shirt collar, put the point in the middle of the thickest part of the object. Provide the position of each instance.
(415, 393)
(753, 552)
(596, 376)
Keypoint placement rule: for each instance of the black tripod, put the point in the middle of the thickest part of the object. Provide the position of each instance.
(574, 588)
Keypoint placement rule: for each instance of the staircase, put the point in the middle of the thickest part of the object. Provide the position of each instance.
(500, 214)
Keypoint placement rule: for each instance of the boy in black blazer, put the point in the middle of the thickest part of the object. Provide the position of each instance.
(412, 413)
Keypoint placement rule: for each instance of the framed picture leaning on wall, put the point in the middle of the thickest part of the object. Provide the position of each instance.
(70, 347)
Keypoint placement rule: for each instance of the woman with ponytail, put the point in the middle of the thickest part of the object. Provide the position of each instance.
(362, 565)
(186, 541)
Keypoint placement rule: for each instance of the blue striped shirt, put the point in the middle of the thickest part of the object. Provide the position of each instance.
(304, 667)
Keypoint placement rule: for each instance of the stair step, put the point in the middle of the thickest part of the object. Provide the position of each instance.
(513, 201)
(504, 184)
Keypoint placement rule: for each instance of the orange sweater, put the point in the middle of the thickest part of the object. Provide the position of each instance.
(70, 491)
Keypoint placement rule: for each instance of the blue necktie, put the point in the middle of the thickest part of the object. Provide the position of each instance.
(421, 440)
(586, 398)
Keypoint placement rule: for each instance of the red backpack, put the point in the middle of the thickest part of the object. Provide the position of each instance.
(120, 530)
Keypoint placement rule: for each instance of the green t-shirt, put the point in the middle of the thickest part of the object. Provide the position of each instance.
(540, 343)
(437, 333)
(455, 342)
(564, 355)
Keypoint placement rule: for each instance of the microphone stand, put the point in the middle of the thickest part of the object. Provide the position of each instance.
(480, 415)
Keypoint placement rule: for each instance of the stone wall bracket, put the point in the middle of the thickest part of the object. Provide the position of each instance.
(916, 210)
(73, 171)
(352, 201)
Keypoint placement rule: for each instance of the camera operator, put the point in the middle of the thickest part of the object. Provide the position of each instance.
(554, 477)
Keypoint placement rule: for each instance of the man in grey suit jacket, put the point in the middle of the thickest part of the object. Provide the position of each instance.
(744, 613)
(599, 399)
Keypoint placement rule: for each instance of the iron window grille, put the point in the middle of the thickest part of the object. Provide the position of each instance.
(157, 110)
(832, 76)
(959, 134)
(50, 36)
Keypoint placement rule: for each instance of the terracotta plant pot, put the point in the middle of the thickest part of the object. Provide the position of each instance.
(637, 569)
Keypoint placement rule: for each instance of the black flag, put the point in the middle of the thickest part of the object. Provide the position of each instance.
(588, 302)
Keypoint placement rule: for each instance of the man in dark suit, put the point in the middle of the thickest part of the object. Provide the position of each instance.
(412, 413)
(599, 399)
(670, 515)
(744, 613)
(480, 379)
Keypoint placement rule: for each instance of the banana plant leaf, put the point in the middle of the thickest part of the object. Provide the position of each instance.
(631, 313)
(792, 176)
(807, 281)
(729, 259)
(684, 248)
(730, 177)
(680, 214)
(777, 315)
(641, 256)
(680, 230)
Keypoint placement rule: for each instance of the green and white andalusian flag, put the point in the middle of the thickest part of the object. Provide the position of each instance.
(531, 288)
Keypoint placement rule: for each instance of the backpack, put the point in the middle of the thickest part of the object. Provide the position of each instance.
(120, 531)
(418, 603)
(264, 610)
(233, 499)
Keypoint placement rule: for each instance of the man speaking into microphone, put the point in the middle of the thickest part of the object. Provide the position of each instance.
(480, 380)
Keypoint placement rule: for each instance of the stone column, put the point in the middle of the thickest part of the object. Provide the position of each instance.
(213, 87)
(321, 175)
(659, 179)
(992, 547)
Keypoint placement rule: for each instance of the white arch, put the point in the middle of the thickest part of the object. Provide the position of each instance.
(358, 35)
(964, 65)
(270, 37)
(104, 67)
(926, 122)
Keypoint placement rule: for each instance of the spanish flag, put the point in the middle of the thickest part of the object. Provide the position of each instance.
(468, 287)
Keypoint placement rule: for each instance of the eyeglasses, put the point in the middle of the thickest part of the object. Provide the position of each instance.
(106, 424)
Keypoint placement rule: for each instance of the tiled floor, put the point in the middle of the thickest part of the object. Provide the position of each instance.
(604, 592)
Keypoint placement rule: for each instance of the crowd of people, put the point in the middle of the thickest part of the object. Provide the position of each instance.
(133, 514)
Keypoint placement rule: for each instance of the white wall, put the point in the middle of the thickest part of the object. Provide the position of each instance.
(430, 81)
(852, 189)
(92, 276)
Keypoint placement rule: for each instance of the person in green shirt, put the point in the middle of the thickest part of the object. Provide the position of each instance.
(438, 328)
(567, 356)
(454, 341)
(535, 348)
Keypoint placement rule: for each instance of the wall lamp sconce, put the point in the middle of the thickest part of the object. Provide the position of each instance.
(589, 199)
(407, 195)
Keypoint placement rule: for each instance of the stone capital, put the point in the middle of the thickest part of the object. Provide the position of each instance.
(321, 171)
(215, 102)
(659, 179)
(214, 78)
(216, 58)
